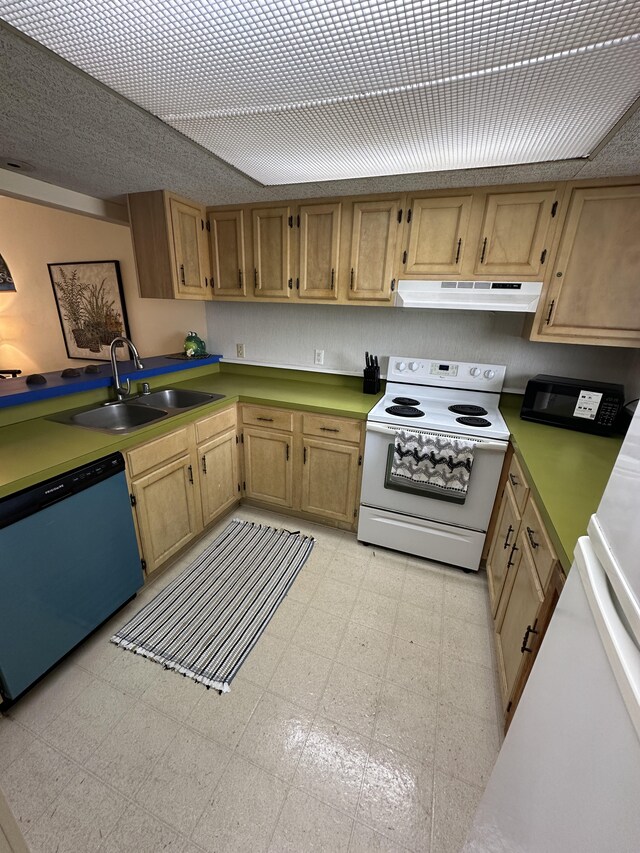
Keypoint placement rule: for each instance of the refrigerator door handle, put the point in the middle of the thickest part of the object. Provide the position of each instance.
(623, 654)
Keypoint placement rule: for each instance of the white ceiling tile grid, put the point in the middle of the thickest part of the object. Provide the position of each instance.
(292, 92)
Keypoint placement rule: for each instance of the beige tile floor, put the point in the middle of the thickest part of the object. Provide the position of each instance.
(365, 719)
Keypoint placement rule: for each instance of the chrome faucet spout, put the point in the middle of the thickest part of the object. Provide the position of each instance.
(123, 391)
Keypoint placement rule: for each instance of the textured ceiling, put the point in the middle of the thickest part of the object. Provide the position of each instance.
(79, 134)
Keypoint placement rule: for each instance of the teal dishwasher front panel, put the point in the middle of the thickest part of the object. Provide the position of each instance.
(63, 571)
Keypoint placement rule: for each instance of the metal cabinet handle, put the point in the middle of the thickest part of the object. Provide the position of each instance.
(190, 470)
(255, 279)
(270, 420)
(182, 273)
(514, 481)
(287, 452)
(333, 278)
(239, 278)
(525, 639)
(548, 320)
(534, 544)
(204, 464)
(510, 563)
(352, 277)
(484, 249)
(506, 538)
(329, 429)
(304, 457)
(458, 250)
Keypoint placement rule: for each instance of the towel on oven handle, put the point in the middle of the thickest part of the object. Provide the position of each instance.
(437, 466)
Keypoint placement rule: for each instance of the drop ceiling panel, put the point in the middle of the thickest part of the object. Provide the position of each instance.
(306, 91)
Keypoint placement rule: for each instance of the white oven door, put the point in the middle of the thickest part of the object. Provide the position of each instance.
(483, 482)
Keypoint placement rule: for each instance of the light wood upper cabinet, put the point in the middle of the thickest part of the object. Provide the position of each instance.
(437, 235)
(594, 290)
(228, 255)
(170, 245)
(272, 266)
(374, 236)
(318, 250)
(514, 233)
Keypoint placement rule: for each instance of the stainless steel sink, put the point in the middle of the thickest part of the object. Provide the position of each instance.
(128, 415)
(176, 398)
(117, 417)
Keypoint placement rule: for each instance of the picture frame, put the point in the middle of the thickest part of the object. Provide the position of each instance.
(91, 307)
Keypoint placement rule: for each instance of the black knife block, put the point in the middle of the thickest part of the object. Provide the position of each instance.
(371, 380)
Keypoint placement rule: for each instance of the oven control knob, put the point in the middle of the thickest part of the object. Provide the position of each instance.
(401, 366)
(475, 371)
(413, 365)
(489, 374)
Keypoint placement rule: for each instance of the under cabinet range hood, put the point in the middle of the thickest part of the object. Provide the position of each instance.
(516, 296)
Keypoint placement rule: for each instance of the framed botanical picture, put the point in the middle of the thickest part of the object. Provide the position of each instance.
(90, 305)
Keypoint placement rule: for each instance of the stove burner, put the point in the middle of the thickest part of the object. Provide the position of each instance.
(477, 422)
(406, 401)
(468, 409)
(405, 411)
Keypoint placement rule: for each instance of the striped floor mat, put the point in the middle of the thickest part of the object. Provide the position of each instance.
(207, 620)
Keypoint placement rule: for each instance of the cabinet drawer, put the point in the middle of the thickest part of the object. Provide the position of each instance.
(518, 483)
(155, 452)
(542, 550)
(267, 418)
(338, 428)
(215, 424)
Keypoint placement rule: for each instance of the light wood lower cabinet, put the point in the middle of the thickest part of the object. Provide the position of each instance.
(329, 479)
(268, 466)
(524, 578)
(162, 475)
(181, 482)
(304, 462)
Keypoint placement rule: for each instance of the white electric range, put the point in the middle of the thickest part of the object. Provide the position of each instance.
(445, 398)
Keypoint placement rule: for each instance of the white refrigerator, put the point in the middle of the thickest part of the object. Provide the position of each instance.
(568, 775)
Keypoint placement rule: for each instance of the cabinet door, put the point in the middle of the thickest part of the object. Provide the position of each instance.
(373, 245)
(271, 252)
(524, 598)
(437, 235)
(514, 233)
(594, 295)
(329, 479)
(187, 224)
(268, 466)
(504, 548)
(228, 267)
(166, 510)
(218, 475)
(319, 248)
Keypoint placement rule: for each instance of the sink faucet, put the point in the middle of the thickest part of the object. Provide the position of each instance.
(123, 390)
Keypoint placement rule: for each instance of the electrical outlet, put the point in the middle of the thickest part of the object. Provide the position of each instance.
(240, 350)
(318, 356)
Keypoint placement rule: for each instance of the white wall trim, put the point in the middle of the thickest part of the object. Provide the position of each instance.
(31, 189)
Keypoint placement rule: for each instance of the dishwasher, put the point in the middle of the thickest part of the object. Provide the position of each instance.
(68, 560)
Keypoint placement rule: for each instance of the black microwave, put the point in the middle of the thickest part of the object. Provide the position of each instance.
(573, 403)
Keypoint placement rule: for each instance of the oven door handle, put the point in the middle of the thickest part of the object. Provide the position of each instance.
(480, 443)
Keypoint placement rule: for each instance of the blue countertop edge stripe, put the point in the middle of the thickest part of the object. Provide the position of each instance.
(15, 392)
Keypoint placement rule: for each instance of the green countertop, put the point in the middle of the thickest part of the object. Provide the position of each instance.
(567, 472)
(37, 449)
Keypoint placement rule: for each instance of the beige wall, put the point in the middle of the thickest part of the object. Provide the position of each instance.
(33, 235)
